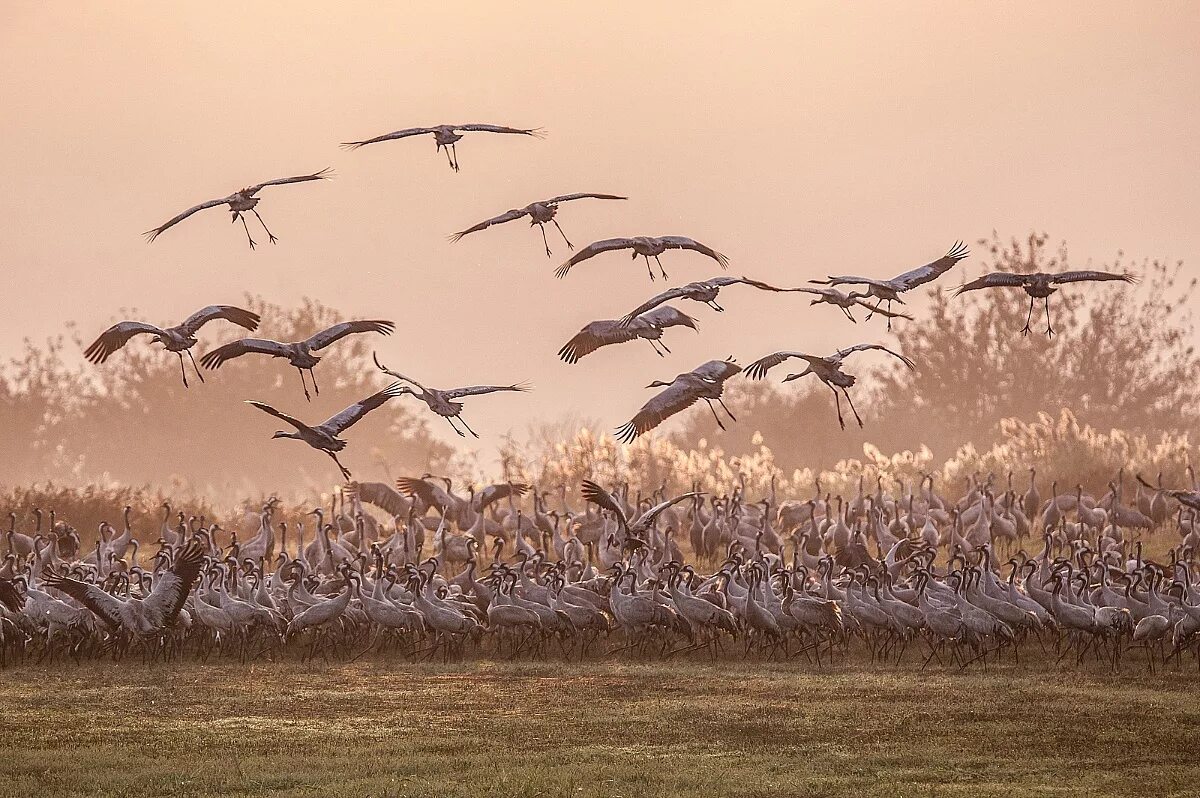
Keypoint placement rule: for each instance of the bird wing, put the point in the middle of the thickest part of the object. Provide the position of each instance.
(171, 588)
(243, 318)
(352, 414)
(683, 242)
(338, 331)
(675, 398)
(476, 390)
(423, 489)
(397, 134)
(930, 271)
(667, 316)
(156, 232)
(581, 195)
(536, 132)
(107, 608)
(385, 497)
(116, 337)
(851, 279)
(593, 336)
(10, 598)
(507, 216)
(759, 368)
(324, 174)
(598, 496)
(591, 250)
(501, 490)
(266, 408)
(717, 370)
(396, 374)
(888, 314)
(1081, 276)
(994, 280)
(650, 516)
(655, 301)
(244, 346)
(841, 354)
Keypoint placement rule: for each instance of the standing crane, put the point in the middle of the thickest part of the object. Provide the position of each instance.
(446, 136)
(706, 382)
(889, 290)
(299, 353)
(324, 436)
(705, 291)
(1040, 285)
(178, 339)
(442, 401)
(612, 331)
(828, 370)
(539, 213)
(646, 246)
(239, 203)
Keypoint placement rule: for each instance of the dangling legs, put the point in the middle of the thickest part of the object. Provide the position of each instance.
(545, 243)
(837, 400)
(726, 409)
(312, 375)
(1028, 318)
(712, 303)
(449, 160)
(194, 366)
(245, 227)
(564, 235)
(303, 383)
(660, 267)
(649, 271)
(463, 421)
(453, 148)
(874, 309)
(182, 370)
(450, 420)
(655, 346)
(264, 224)
(848, 315)
(851, 402)
(714, 412)
(1049, 329)
(342, 468)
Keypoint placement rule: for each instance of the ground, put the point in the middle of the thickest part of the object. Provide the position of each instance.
(595, 729)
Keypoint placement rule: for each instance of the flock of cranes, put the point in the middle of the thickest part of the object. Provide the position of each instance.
(511, 570)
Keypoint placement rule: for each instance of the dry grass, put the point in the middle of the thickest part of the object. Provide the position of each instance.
(565, 729)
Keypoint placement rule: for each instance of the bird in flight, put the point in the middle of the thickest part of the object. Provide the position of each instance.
(240, 203)
(299, 353)
(178, 339)
(1040, 285)
(446, 136)
(827, 369)
(832, 296)
(539, 213)
(324, 436)
(889, 290)
(646, 246)
(704, 291)
(648, 325)
(442, 401)
(706, 382)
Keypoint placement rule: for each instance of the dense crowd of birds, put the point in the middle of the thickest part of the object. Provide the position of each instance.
(509, 570)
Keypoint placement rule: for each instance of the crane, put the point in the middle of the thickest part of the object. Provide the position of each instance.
(1040, 285)
(646, 246)
(446, 137)
(442, 401)
(706, 381)
(539, 213)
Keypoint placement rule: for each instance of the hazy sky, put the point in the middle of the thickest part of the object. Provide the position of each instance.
(798, 138)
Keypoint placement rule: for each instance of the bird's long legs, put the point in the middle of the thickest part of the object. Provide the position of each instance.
(889, 318)
(714, 412)
(726, 409)
(837, 400)
(312, 375)
(304, 383)
(564, 235)
(342, 468)
(182, 370)
(264, 224)
(852, 410)
(197, 368)
(450, 421)
(712, 303)
(848, 314)
(1049, 328)
(463, 421)
(649, 271)
(545, 243)
(245, 227)
(654, 345)
(660, 267)
(1028, 318)
(454, 148)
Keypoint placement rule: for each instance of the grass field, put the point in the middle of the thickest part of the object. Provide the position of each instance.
(565, 729)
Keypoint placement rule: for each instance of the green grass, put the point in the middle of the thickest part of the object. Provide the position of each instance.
(565, 729)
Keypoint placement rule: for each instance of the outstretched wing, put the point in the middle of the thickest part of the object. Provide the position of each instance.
(385, 497)
(507, 216)
(1082, 276)
(107, 608)
(171, 588)
(851, 279)
(116, 337)
(683, 242)
(243, 318)
(536, 132)
(593, 336)
(841, 354)
(930, 271)
(582, 195)
(994, 280)
(397, 134)
(324, 174)
(245, 346)
(667, 316)
(655, 301)
(591, 250)
(156, 232)
(352, 414)
(759, 368)
(338, 331)
(266, 408)
(717, 370)
(476, 390)
(675, 398)
(501, 490)
(598, 496)
(651, 515)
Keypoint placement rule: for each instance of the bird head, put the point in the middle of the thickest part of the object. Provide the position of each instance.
(658, 384)
(283, 434)
(791, 377)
